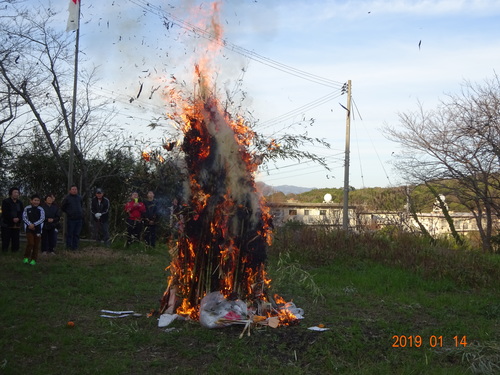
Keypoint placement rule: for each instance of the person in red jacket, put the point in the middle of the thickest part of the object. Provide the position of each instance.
(135, 210)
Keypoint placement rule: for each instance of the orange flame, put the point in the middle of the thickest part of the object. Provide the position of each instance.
(146, 156)
(226, 226)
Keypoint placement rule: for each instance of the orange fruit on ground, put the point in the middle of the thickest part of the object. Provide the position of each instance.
(70, 324)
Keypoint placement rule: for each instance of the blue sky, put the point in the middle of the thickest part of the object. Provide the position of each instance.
(373, 43)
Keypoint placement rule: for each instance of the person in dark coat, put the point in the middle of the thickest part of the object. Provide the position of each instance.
(50, 225)
(150, 219)
(72, 206)
(100, 213)
(12, 217)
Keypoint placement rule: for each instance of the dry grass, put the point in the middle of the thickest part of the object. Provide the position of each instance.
(442, 260)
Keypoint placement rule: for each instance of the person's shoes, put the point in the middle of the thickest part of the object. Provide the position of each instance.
(52, 253)
(33, 262)
(26, 260)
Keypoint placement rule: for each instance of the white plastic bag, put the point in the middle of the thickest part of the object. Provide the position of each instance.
(217, 312)
(166, 319)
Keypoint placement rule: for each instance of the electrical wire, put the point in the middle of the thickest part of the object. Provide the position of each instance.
(339, 86)
(279, 173)
(148, 7)
(373, 144)
(157, 10)
(332, 157)
(306, 107)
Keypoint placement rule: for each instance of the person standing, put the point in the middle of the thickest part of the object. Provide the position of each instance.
(135, 210)
(12, 217)
(100, 213)
(50, 225)
(33, 217)
(72, 206)
(150, 219)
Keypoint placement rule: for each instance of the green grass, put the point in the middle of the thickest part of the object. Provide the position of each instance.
(365, 296)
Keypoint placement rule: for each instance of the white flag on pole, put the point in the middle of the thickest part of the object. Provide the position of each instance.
(74, 15)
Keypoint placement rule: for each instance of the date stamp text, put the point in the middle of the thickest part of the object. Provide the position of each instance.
(433, 341)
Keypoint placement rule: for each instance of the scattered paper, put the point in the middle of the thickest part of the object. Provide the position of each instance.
(119, 314)
(116, 312)
(172, 329)
(166, 319)
(115, 316)
(273, 322)
(316, 328)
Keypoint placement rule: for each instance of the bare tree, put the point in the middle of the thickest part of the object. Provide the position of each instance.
(10, 130)
(37, 66)
(455, 146)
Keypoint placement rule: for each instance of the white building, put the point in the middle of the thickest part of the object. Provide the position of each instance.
(329, 214)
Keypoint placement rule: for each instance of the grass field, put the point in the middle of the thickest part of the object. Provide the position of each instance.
(386, 316)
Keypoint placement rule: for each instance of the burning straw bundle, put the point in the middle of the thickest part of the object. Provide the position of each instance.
(226, 226)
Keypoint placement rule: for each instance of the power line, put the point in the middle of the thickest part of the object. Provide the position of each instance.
(279, 172)
(300, 110)
(373, 145)
(333, 157)
(147, 7)
(158, 11)
(339, 86)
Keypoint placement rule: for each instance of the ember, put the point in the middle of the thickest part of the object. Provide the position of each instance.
(226, 226)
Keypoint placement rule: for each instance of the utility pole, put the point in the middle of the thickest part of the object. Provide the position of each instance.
(345, 211)
(73, 111)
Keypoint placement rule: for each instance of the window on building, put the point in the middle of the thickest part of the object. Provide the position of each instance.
(292, 212)
(322, 212)
(306, 212)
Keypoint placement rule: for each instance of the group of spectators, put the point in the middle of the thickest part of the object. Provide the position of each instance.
(142, 218)
(42, 221)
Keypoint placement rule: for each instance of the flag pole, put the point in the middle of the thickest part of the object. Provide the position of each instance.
(73, 111)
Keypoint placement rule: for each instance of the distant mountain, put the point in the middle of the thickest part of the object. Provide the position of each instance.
(285, 189)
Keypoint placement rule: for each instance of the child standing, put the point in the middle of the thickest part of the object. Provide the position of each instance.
(33, 217)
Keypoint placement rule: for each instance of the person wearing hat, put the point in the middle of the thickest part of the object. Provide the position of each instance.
(100, 215)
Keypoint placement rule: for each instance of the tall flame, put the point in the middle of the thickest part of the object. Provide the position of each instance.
(226, 227)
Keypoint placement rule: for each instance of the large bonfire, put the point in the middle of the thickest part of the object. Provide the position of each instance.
(219, 255)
